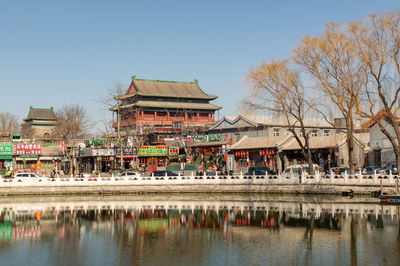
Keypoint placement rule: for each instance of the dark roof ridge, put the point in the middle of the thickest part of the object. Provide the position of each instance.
(168, 81)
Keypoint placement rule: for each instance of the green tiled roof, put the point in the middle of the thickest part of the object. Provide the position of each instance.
(172, 105)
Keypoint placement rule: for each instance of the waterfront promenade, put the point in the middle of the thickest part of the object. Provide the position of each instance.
(307, 184)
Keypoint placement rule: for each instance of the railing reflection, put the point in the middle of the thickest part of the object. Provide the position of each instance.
(32, 220)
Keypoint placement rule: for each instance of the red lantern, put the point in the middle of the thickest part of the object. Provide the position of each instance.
(272, 152)
(247, 153)
(242, 153)
(260, 153)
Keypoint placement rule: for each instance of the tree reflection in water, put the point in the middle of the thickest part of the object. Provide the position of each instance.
(207, 232)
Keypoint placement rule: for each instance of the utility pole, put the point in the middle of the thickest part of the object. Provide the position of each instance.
(121, 146)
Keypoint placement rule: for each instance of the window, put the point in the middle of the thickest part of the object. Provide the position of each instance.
(314, 133)
(177, 124)
(275, 132)
(326, 132)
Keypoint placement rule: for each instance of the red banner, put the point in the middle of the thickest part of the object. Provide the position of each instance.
(62, 145)
(27, 149)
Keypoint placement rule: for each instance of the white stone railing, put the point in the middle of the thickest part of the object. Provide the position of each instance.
(235, 179)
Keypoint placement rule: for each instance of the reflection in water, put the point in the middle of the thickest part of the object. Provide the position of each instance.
(110, 231)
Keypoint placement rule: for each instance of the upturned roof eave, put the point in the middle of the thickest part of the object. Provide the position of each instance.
(127, 96)
(157, 105)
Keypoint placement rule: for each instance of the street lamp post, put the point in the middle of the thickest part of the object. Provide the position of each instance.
(79, 161)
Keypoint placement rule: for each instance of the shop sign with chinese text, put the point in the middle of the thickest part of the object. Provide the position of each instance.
(6, 149)
(128, 151)
(153, 151)
(27, 149)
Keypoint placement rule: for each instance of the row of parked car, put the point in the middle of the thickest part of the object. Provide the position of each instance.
(369, 170)
(295, 169)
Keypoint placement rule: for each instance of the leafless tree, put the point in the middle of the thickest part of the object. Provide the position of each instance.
(72, 122)
(278, 87)
(9, 123)
(377, 39)
(331, 60)
(113, 100)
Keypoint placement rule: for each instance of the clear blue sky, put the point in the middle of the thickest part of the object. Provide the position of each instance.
(55, 53)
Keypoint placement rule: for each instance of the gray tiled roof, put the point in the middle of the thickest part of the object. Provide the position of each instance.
(41, 114)
(162, 88)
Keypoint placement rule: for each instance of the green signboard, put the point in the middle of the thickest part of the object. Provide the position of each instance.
(153, 151)
(28, 156)
(6, 149)
(5, 157)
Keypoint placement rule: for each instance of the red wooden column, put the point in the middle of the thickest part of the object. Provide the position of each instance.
(186, 116)
(209, 117)
(168, 116)
(155, 115)
(142, 115)
(198, 116)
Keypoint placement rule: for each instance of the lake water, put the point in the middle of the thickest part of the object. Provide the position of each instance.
(198, 230)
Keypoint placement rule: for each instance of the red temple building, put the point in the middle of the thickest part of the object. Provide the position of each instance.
(164, 108)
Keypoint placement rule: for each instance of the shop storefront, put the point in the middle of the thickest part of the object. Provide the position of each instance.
(152, 158)
(210, 151)
(258, 153)
(50, 160)
(93, 160)
(6, 152)
(129, 156)
(265, 159)
(27, 157)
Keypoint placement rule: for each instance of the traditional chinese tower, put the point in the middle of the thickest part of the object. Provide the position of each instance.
(39, 123)
(164, 108)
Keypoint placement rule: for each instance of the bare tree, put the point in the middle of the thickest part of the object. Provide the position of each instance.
(277, 87)
(331, 59)
(72, 122)
(378, 41)
(9, 123)
(113, 100)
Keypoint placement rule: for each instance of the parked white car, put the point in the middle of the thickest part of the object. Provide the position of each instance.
(131, 175)
(26, 176)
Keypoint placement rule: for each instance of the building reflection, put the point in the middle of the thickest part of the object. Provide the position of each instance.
(150, 230)
(18, 224)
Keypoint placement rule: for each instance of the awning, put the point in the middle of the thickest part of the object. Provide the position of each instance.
(319, 142)
(210, 143)
(249, 143)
